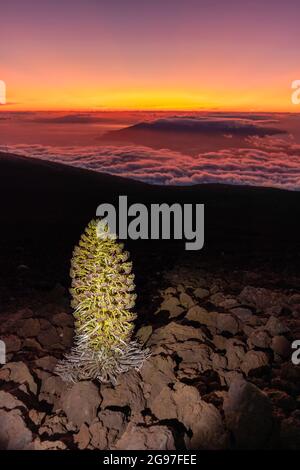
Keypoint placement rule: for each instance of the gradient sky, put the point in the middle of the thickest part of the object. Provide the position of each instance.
(158, 54)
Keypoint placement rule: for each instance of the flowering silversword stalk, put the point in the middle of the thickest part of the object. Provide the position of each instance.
(103, 297)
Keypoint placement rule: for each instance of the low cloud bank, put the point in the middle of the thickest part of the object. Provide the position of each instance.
(266, 162)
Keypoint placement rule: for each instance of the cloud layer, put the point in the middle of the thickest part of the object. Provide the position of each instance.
(267, 162)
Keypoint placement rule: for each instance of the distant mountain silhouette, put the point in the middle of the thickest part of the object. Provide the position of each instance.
(195, 134)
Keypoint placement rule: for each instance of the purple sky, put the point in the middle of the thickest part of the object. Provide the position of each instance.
(138, 54)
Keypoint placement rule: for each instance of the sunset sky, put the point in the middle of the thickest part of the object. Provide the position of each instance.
(159, 54)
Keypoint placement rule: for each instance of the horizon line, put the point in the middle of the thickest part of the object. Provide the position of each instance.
(145, 110)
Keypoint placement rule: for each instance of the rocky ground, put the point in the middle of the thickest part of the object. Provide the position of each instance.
(220, 374)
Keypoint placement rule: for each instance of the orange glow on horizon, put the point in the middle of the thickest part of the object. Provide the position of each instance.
(53, 99)
(148, 56)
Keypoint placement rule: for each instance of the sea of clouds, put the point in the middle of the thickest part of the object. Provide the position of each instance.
(267, 161)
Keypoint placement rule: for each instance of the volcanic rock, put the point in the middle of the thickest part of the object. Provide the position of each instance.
(62, 319)
(171, 305)
(81, 402)
(202, 316)
(248, 414)
(9, 402)
(49, 337)
(30, 327)
(18, 372)
(173, 333)
(12, 343)
(14, 435)
(144, 333)
(146, 438)
(52, 388)
(203, 419)
(98, 435)
(254, 360)
(276, 327)
(261, 298)
(259, 339)
(127, 393)
(186, 300)
(243, 314)
(157, 372)
(83, 437)
(37, 444)
(227, 323)
(281, 346)
(201, 293)
(235, 353)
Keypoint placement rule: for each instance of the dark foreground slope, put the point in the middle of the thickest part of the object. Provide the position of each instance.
(45, 206)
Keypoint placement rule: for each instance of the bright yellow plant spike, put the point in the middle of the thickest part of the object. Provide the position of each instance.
(102, 297)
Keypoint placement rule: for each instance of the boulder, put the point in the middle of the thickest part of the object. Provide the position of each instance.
(151, 438)
(9, 402)
(201, 293)
(30, 327)
(157, 372)
(127, 392)
(186, 300)
(113, 420)
(193, 354)
(227, 323)
(218, 361)
(248, 415)
(115, 423)
(37, 444)
(276, 327)
(171, 305)
(202, 419)
(202, 316)
(260, 298)
(52, 387)
(174, 333)
(235, 353)
(19, 373)
(55, 424)
(217, 299)
(36, 416)
(281, 346)
(62, 319)
(281, 399)
(259, 339)
(220, 342)
(81, 402)
(12, 343)
(14, 434)
(228, 303)
(243, 314)
(49, 337)
(144, 333)
(83, 437)
(66, 335)
(98, 435)
(46, 363)
(254, 360)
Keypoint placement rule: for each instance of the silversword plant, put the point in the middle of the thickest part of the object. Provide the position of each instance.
(103, 298)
